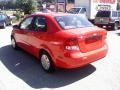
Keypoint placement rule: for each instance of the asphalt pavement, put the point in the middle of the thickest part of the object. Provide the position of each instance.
(21, 71)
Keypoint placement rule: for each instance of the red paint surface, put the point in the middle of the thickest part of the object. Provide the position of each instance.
(54, 40)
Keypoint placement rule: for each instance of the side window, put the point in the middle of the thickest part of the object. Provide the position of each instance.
(114, 14)
(83, 10)
(40, 24)
(27, 23)
(118, 14)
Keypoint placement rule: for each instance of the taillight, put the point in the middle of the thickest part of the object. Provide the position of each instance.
(105, 35)
(72, 45)
(110, 20)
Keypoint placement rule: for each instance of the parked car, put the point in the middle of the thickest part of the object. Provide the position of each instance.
(60, 40)
(5, 20)
(108, 18)
(77, 10)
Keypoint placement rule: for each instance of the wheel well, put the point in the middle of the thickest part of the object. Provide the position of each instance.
(42, 50)
(117, 22)
(12, 36)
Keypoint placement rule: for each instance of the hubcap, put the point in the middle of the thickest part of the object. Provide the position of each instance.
(13, 43)
(45, 62)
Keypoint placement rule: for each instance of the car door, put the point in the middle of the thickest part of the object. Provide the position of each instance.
(38, 35)
(21, 35)
(7, 21)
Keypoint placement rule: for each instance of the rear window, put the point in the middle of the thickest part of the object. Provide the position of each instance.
(103, 14)
(114, 14)
(73, 21)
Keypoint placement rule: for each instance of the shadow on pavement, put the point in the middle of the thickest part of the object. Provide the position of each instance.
(118, 34)
(27, 68)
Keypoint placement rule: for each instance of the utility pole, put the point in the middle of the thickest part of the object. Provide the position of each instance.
(56, 5)
(65, 5)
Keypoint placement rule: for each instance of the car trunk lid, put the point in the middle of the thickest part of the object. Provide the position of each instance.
(90, 38)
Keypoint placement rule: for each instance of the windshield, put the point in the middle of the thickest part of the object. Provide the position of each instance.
(103, 14)
(74, 10)
(73, 21)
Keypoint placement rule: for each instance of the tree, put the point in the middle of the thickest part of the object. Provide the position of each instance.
(27, 6)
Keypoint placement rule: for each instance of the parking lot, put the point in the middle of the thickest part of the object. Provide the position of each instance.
(21, 71)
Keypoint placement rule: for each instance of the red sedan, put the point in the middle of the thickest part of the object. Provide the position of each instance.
(60, 40)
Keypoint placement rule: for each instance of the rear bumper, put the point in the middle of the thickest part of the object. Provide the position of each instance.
(78, 59)
(107, 25)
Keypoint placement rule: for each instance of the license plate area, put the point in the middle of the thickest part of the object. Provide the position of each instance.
(92, 39)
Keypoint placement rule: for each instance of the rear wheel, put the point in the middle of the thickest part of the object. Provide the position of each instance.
(115, 26)
(46, 62)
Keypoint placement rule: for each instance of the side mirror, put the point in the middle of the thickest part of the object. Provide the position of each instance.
(16, 26)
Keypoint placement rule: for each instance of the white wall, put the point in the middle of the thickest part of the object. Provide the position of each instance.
(92, 5)
(83, 3)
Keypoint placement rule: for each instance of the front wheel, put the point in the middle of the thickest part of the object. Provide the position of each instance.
(46, 62)
(4, 25)
(13, 43)
(10, 22)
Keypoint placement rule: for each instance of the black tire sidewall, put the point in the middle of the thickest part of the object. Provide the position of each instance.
(16, 47)
(4, 25)
(52, 67)
(116, 26)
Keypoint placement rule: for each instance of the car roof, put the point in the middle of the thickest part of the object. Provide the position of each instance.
(54, 14)
(108, 10)
(78, 7)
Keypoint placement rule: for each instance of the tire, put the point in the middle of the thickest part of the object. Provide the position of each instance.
(13, 43)
(99, 25)
(46, 62)
(10, 23)
(115, 26)
(4, 25)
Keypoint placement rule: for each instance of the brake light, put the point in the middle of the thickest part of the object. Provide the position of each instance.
(72, 45)
(110, 20)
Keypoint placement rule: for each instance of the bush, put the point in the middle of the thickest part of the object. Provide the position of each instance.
(19, 15)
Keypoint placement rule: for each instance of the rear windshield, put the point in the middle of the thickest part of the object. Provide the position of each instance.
(73, 21)
(103, 14)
